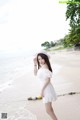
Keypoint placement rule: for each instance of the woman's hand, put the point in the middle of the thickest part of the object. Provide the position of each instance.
(35, 61)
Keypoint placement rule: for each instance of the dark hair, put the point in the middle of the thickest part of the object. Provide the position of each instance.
(45, 57)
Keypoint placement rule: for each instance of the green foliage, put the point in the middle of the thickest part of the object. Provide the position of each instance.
(47, 44)
(73, 14)
(52, 44)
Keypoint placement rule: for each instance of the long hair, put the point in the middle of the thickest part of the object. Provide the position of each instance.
(45, 57)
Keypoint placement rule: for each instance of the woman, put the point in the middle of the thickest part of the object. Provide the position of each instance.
(43, 70)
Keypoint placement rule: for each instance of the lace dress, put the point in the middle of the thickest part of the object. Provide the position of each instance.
(49, 92)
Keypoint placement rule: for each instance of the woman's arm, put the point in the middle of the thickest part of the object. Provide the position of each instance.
(35, 69)
(45, 85)
(35, 66)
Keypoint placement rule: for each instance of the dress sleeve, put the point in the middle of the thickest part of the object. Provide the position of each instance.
(47, 73)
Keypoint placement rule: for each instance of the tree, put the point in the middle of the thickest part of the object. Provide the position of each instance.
(52, 44)
(46, 44)
(73, 13)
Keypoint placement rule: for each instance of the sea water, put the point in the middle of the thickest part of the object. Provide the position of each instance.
(13, 66)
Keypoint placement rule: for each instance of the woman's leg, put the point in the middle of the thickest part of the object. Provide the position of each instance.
(50, 110)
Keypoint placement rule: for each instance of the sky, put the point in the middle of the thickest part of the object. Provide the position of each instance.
(26, 24)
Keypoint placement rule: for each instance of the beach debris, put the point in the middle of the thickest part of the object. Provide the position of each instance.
(35, 98)
(39, 97)
(70, 93)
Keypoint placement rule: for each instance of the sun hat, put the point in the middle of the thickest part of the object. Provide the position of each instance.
(44, 52)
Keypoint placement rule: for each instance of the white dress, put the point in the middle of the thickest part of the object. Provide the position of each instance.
(49, 92)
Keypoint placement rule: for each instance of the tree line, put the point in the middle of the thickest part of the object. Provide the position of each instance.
(73, 37)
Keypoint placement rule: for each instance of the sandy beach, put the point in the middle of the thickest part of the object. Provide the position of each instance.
(66, 79)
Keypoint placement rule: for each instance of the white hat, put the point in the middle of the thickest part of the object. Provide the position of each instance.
(44, 52)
